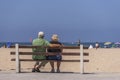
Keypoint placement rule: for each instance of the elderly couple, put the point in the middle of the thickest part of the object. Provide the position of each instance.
(40, 41)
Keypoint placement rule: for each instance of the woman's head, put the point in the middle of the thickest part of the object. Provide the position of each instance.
(55, 37)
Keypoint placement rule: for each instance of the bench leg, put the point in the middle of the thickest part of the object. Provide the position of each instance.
(81, 59)
(17, 59)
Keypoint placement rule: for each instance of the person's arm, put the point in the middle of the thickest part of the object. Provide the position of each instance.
(54, 45)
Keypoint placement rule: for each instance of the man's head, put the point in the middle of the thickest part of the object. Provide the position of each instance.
(41, 34)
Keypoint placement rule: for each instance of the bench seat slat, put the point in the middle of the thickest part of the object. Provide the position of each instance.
(39, 53)
(64, 47)
(86, 60)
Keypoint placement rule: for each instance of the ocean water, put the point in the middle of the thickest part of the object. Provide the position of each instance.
(64, 43)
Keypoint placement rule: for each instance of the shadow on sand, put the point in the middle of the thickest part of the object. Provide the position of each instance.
(57, 73)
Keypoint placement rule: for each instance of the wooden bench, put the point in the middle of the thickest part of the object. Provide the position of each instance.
(18, 53)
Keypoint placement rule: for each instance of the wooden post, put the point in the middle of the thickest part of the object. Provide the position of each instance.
(17, 58)
(81, 59)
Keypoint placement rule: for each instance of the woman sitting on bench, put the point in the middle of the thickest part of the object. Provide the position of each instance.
(57, 57)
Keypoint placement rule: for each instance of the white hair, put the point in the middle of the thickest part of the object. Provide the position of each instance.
(41, 34)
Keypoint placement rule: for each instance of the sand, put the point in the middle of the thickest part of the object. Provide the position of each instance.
(105, 60)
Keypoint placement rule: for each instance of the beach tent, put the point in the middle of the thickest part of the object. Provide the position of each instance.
(90, 47)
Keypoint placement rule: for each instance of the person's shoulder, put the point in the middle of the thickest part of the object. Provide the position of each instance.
(51, 41)
(59, 42)
(35, 39)
(45, 40)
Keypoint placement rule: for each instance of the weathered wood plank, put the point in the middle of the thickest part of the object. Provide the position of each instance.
(63, 47)
(46, 53)
(86, 60)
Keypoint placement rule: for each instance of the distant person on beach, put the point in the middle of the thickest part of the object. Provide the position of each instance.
(97, 45)
(8, 44)
(40, 41)
(78, 43)
(3, 45)
(58, 57)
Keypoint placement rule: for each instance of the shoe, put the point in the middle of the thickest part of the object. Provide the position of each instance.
(58, 70)
(37, 70)
(52, 71)
(33, 70)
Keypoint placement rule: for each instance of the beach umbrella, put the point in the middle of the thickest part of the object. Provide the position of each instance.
(107, 43)
(117, 43)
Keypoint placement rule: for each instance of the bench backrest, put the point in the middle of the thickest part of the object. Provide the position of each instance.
(18, 53)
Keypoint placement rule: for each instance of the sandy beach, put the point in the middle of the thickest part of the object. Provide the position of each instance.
(102, 60)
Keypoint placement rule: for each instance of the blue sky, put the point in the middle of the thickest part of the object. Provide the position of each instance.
(87, 20)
